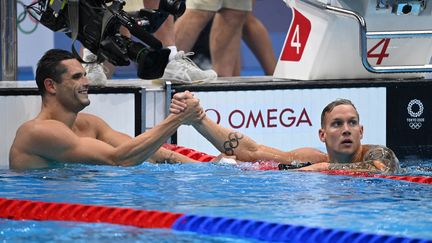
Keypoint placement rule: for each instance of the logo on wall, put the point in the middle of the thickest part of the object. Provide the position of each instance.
(267, 118)
(25, 22)
(415, 109)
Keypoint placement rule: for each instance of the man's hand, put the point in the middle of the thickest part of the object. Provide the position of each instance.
(225, 159)
(316, 167)
(186, 103)
(178, 102)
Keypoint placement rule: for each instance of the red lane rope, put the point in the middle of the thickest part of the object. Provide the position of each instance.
(269, 165)
(193, 154)
(35, 210)
(259, 230)
(417, 179)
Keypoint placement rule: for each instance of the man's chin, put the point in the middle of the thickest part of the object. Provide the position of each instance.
(85, 102)
(346, 150)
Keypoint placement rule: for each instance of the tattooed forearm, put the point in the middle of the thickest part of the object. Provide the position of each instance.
(232, 142)
(358, 166)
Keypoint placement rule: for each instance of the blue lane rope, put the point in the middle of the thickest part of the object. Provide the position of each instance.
(265, 231)
(243, 228)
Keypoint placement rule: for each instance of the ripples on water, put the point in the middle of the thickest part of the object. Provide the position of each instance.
(369, 205)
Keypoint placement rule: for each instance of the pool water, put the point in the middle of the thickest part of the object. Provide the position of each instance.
(369, 205)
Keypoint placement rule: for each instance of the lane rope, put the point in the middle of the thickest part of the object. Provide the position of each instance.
(251, 229)
(270, 165)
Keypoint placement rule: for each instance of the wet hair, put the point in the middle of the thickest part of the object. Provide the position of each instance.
(49, 66)
(332, 105)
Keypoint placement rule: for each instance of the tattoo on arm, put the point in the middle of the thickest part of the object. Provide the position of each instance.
(377, 153)
(385, 156)
(232, 142)
(358, 166)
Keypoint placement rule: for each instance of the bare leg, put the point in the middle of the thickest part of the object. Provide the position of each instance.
(165, 33)
(189, 26)
(225, 39)
(258, 40)
(237, 68)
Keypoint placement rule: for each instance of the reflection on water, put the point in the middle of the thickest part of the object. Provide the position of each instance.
(369, 205)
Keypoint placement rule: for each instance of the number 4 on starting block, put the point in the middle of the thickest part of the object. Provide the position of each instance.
(297, 37)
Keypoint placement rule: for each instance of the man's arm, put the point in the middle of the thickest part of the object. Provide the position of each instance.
(383, 158)
(115, 138)
(164, 155)
(233, 143)
(54, 141)
(376, 159)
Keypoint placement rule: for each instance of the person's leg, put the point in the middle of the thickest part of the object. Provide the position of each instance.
(181, 68)
(189, 26)
(258, 40)
(165, 33)
(237, 67)
(225, 39)
(98, 73)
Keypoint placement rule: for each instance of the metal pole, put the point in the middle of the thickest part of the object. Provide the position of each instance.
(8, 40)
(364, 35)
(168, 95)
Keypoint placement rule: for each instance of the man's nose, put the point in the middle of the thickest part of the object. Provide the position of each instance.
(85, 80)
(346, 129)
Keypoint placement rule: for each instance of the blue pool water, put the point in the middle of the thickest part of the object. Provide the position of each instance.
(369, 205)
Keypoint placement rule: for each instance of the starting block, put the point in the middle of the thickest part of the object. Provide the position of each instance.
(362, 39)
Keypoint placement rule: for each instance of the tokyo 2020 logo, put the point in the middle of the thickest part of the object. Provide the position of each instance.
(415, 109)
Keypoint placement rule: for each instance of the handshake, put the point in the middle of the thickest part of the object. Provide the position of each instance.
(187, 108)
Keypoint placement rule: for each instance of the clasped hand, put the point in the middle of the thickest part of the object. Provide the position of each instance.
(188, 107)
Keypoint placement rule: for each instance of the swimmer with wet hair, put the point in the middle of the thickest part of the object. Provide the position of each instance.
(342, 132)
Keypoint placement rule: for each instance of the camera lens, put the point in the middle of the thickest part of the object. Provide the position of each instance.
(151, 62)
(174, 7)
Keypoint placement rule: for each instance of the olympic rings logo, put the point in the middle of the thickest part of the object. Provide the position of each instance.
(415, 125)
(23, 16)
(232, 142)
(420, 109)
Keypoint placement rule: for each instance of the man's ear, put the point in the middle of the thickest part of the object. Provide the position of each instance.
(50, 86)
(321, 134)
(361, 131)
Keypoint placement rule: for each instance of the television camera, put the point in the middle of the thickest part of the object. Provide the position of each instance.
(96, 24)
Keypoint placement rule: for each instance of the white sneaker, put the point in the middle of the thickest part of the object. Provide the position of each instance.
(95, 71)
(182, 70)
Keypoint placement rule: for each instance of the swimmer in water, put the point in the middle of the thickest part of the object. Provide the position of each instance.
(60, 133)
(340, 130)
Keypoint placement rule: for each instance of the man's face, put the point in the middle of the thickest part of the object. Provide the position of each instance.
(72, 92)
(342, 131)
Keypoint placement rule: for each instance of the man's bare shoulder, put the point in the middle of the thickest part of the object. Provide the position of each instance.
(32, 137)
(382, 156)
(36, 126)
(89, 119)
(367, 148)
(35, 131)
